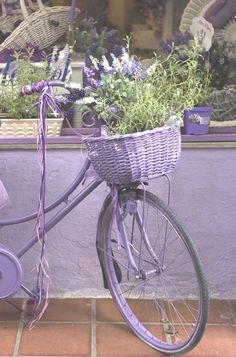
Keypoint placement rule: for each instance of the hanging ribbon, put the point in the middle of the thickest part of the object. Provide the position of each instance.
(43, 277)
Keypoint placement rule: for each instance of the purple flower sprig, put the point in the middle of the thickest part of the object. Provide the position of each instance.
(123, 65)
(93, 39)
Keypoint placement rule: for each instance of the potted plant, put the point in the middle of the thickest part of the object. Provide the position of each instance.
(197, 115)
(197, 88)
(142, 105)
(89, 38)
(196, 80)
(130, 97)
(19, 114)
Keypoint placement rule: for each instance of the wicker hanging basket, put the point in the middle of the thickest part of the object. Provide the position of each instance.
(40, 29)
(121, 159)
(7, 22)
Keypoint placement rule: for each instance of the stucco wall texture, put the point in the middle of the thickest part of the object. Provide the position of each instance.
(203, 194)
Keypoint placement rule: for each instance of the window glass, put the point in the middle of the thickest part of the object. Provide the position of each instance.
(158, 25)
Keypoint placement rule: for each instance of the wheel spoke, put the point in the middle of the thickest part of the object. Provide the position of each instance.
(165, 303)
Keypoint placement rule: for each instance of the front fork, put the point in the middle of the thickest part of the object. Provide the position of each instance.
(121, 208)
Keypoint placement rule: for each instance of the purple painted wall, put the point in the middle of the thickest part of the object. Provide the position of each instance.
(203, 196)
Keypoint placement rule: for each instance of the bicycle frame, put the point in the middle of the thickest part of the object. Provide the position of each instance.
(64, 197)
(133, 272)
(70, 205)
(59, 215)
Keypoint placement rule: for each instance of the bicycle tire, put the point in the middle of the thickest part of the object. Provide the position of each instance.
(171, 331)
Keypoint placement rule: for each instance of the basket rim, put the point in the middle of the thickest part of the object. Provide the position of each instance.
(131, 135)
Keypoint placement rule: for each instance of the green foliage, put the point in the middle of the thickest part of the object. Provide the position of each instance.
(90, 38)
(131, 98)
(26, 72)
(194, 74)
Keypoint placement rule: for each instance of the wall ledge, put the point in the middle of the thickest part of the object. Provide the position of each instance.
(217, 137)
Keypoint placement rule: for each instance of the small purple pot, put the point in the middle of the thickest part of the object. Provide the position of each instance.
(197, 120)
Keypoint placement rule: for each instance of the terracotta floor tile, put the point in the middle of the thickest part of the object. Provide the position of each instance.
(68, 310)
(217, 341)
(8, 312)
(219, 312)
(179, 311)
(233, 304)
(47, 339)
(117, 340)
(106, 310)
(7, 338)
(113, 339)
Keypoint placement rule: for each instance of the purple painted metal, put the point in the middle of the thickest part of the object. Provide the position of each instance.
(10, 268)
(62, 198)
(59, 216)
(10, 273)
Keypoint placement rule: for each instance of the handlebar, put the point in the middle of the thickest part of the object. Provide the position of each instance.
(60, 103)
(37, 87)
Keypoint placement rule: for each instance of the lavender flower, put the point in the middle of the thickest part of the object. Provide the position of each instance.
(182, 38)
(92, 39)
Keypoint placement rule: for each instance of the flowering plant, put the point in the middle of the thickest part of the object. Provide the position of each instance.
(91, 39)
(130, 97)
(199, 83)
(215, 60)
(24, 72)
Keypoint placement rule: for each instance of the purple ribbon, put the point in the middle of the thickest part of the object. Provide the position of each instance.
(46, 99)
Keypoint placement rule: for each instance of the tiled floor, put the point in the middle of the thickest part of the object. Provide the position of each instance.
(94, 328)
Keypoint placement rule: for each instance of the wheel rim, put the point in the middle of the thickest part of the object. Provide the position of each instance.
(169, 297)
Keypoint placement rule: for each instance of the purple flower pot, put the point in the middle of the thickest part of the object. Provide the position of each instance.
(197, 120)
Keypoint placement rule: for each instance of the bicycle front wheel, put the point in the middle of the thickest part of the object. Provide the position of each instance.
(165, 302)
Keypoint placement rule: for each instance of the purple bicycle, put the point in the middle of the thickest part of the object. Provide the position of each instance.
(148, 261)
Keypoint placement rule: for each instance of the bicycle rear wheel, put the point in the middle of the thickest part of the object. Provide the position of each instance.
(166, 303)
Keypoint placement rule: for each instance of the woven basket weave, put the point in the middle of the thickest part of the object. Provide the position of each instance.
(7, 22)
(42, 28)
(121, 159)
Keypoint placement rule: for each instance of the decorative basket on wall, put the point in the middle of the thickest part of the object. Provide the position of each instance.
(224, 35)
(8, 21)
(121, 159)
(193, 9)
(42, 28)
(22, 128)
(224, 104)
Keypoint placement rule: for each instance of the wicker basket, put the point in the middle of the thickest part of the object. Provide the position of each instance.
(22, 128)
(7, 21)
(121, 159)
(42, 28)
